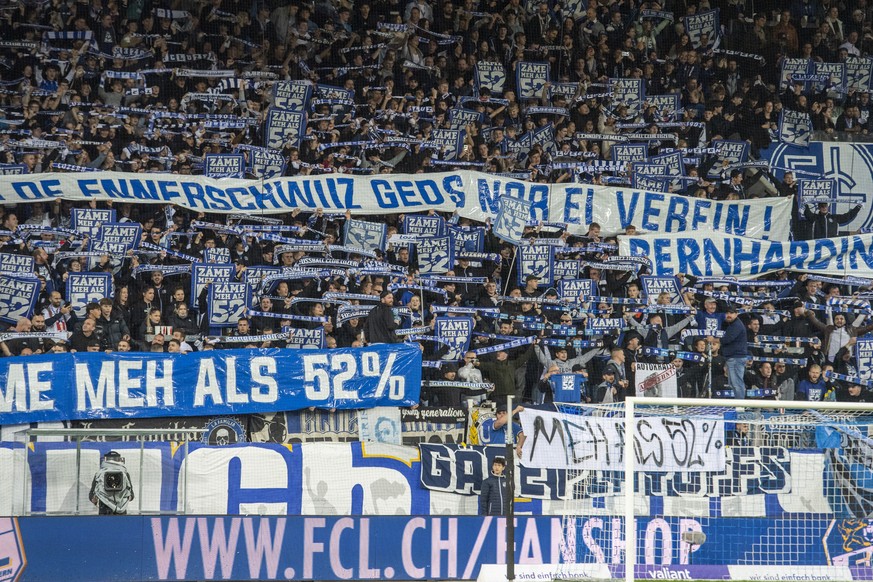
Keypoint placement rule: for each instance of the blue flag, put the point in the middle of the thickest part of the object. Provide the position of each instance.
(628, 92)
(85, 288)
(512, 217)
(530, 78)
(420, 225)
(703, 28)
(812, 191)
(18, 265)
(435, 255)
(204, 274)
(536, 260)
(284, 128)
(489, 75)
(365, 235)
(456, 332)
(224, 166)
(292, 95)
(117, 238)
(17, 297)
(89, 220)
(305, 338)
(227, 303)
(795, 127)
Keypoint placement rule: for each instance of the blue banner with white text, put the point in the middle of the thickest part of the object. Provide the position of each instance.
(530, 78)
(284, 128)
(489, 75)
(89, 220)
(291, 95)
(85, 288)
(337, 547)
(127, 385)
(17, 297)
(227, 303)
(16, 265)
(224, 166)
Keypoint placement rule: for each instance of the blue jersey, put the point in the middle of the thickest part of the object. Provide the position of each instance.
(488, 435)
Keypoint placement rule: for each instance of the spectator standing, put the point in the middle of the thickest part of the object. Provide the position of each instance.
(381, 323)
(494, 499)
(735, 349)
(823, 224)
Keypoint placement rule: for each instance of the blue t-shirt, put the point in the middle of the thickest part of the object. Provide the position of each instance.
(806, 390)
(488, 435)
(709, 322)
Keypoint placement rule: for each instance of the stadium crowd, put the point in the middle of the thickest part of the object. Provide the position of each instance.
(140, 86)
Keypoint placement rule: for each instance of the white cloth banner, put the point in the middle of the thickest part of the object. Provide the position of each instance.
(662, 443)
(720, 255)
(380, 424)
(656, 380)
(473, 195)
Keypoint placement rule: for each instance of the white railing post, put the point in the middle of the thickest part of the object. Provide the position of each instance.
(630, 529)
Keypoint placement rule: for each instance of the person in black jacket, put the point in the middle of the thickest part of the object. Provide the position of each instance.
(735, 349)
(110, 326)
(494, 500)
(380, 325)
(848, 392)
(823, 224)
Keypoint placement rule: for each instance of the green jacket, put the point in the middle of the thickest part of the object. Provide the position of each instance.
(502, 374)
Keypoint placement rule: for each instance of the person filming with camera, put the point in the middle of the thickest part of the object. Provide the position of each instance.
(111, 489)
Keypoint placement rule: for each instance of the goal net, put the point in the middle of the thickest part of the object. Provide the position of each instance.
(703, 489)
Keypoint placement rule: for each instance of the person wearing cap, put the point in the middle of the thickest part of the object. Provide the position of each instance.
(381, 323)
(501, 370)
(561, 361)
(735, 349)
(853, 392)
(494, 499)
(531, 286)
(709, 319)
(492, 431)
(798, 324)
(823, 224)
(607, 391)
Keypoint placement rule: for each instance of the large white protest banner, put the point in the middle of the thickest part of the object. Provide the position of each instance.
(472, 195)
(719, 254)
(568, 441)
